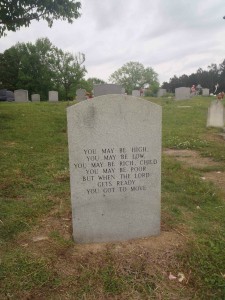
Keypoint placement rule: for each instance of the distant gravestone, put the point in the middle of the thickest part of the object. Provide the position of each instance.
(161, 92)
(136, 93)
(182, 93)
(53, 96)
(35, 97)
(115, 168)
(81, 95)
(106, 89)
(10, 96)
(216, 114)
(3, 96)
(205, 92)
(21, 95)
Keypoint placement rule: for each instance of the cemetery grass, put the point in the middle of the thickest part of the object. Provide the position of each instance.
(38, 258)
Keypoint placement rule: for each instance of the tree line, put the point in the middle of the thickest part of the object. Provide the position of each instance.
(41, 67)
(215, 74)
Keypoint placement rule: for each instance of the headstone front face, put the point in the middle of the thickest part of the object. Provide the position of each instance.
(161, 92)
(35, 97)
(216, 115)
(115, 168)
(81, 95)
(53, 96)
(106, 89)
(205, 92)
(21, 95)
(136, 93)
(3, 96)
(182, 93)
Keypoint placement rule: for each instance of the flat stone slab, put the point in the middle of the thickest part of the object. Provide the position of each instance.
(115, 168)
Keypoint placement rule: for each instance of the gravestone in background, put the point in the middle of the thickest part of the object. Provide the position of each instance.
(216, 114)
(53, 96)
(136, 93)
(115, 168)
(161, 92)
(35, 97)
(205, 92)
(10, 96)
(81, 95)
(21, 95)
(106, 89)
(3, 96)
(182, 93)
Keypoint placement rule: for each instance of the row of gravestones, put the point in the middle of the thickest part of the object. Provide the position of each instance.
(182, 93)
(104, 89)
(22, 96)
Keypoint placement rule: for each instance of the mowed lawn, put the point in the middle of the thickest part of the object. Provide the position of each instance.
(38, 258)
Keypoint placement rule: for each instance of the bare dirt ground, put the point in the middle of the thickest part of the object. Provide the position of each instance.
(193, 159)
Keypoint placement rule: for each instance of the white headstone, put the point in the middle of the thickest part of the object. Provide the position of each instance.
(53, 96)
(21, 95)
(205, 92)
(161, 92)
(81, 95)
(115, 168)
(35, 97)
(106, 89)
(216, 114)
(136, 93)
(182, 93)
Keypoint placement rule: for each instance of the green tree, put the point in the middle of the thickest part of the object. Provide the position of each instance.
(68, 72)
(133, 75)
(9, 70)
(41, 67)
(15, 14)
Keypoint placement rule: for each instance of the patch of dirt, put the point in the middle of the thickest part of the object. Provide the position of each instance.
(191, 158)
(154, 257)
(218, 178)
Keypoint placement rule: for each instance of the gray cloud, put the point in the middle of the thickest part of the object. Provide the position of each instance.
(174, 37)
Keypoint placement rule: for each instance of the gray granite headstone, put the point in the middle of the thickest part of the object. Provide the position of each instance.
(161, 92)
(205, 92)
(53, 96)
(136, 93)
(21, 95)
(182, 93)
(35, 97)
(115, 168)
(216, 115)
(106, 89)
(10, 96)
(81, 95)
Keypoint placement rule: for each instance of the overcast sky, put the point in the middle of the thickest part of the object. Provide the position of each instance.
(174, 37)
